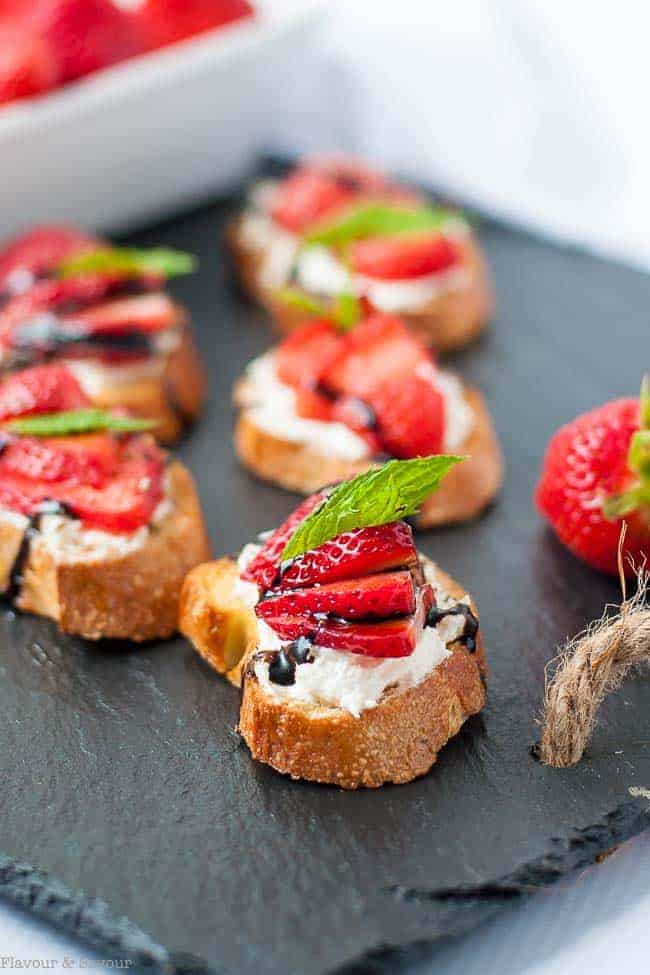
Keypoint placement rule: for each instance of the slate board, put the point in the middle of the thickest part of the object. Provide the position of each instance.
(122, 776)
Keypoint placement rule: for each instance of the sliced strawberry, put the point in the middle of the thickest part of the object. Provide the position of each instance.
(264, 568)
(41, 249)
(168, 21)
(378, 349)
(410, 417)
(359, 417)
(121, 504)
(308, 195)
(370, 597)
(88, 459)
(390, 638)
(312, 405)
(86, 35)
(352, 554)
(43, 389)
(144, 313)
(28, 66)
(303, 357)
(394, 638)
(403, 256)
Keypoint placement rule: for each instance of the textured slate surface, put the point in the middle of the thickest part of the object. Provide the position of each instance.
(122, 776)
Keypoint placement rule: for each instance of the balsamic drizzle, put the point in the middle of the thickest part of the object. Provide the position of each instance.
(470, 629)
(16, 573)
(282, 664)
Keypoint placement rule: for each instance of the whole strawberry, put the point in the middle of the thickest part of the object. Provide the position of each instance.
(596, 475)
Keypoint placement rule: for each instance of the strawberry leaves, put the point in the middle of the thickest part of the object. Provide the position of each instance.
(378, 497)
(638, 461)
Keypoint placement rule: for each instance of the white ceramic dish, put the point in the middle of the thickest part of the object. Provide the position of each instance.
(147, 136)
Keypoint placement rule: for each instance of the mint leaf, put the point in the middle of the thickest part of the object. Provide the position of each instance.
(378, 219)
(344, 314)
(377, 497)
(301, 301)
(130, 260)
(75, 421)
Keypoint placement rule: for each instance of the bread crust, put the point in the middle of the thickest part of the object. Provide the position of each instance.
(175, 398)
(448, 322)
(131, 597)
(396, 741)
(464, 492)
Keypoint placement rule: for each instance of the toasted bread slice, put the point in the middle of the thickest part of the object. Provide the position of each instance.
(465, 491)
(450, 321)
(396, 741)
(132, 596)
(174, 396)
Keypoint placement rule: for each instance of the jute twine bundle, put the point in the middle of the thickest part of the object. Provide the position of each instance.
(589, 667)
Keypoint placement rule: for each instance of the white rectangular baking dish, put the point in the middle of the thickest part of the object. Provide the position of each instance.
(152, 134)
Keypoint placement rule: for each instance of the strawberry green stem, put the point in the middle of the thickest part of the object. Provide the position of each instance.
(638, 461)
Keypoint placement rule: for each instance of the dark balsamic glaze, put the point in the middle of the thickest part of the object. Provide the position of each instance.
(283, 662)
(46, 507)
(43, 337)
(470, 629)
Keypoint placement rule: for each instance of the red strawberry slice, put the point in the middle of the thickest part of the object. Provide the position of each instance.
(165, 22)
(86, 35)
(28, 66)
(88, 459)
(378, 349)
(308, 195)
(394, 638)
(312, 405)
(390, 638)
(352, 554)
(145, 313)
(42, 249)
(303, 357)
(410, 417)
(264, 568)
(122, 504)
(43, 389)
(370, 597)
(403, 257)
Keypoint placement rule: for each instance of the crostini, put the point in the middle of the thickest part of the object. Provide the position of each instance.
(105, 312)
(358, 658)
(97, 527)
(334, 226)
(325, 405)
(595, 481)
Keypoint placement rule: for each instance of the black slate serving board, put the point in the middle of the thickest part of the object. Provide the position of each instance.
(122, 776)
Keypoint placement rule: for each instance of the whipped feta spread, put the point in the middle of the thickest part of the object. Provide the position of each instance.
(96, 377)
(68, 542)
(351, 681)
(271, 405)
(318, 270)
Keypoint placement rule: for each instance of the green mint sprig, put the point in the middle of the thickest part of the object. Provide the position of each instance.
(76, 421)
(344, 313)
(378, 220)
(129, 260)
(388, 493)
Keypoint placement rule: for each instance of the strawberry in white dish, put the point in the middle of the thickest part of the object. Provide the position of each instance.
(358, 658)
(334, 226)
(106, 312)
(329, 402)
(97, 527)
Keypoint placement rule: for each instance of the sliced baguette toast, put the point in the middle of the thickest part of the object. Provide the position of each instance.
(466, 490)
(396, 741)
(174, 398)
(450, 321)
(131, 597)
